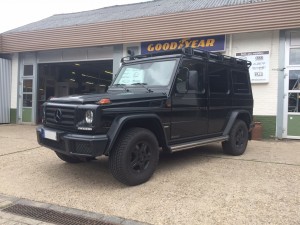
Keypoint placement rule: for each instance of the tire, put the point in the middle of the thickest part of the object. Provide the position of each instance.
(72, 159)
(238, 139)
(134, 157)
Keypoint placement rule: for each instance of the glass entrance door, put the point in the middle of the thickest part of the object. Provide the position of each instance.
(292, 86)
(26, 91)
(293, 115)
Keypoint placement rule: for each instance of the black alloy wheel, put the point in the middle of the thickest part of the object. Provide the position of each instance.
(134, 157)
(238, 139)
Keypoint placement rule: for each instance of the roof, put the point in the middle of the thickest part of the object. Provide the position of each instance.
(130, 11)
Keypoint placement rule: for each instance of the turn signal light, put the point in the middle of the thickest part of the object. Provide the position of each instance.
(104, 101)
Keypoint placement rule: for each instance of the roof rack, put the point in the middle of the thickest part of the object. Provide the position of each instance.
(211, 56)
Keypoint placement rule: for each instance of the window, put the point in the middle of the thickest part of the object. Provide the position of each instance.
(218, 78)
(149, 73)
(28, 70)
(27, 93)
(295, 56)
(240, 82)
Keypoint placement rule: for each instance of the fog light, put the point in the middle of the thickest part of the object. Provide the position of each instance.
(89, 116)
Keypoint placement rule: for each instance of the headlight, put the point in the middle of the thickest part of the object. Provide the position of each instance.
(89, 116)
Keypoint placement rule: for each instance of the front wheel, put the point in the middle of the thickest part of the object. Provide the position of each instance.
(238, 139)
(135, 156)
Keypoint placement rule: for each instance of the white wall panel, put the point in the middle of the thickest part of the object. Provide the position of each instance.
(265, 95)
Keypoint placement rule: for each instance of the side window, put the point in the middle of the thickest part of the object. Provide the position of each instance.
(218, 79)
(195, 67)
(240, 82)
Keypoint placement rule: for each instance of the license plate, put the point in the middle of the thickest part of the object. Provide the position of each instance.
(50, 135)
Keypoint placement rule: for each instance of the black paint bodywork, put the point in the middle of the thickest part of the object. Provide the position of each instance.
(174, 118)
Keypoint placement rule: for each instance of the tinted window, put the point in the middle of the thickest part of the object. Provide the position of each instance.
(218, 78)
(240, 82)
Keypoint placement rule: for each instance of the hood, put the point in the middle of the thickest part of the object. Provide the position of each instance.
(114, 96)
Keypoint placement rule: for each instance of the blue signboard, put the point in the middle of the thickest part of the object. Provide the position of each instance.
(210, 43)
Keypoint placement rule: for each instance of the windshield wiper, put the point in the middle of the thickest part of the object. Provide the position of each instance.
(143, 85)
(121, 85)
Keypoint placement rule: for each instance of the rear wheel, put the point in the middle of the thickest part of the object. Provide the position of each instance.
(238, 139)
(134, 158)
(73, 159)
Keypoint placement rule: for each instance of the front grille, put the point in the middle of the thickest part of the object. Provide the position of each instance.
(53, 144)
(60, 116)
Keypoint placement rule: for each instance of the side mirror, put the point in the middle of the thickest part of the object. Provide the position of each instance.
(193, 80)
(182, 81)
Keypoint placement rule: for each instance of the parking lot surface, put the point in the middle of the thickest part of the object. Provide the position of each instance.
(198, 186)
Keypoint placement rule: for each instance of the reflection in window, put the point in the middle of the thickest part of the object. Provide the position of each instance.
(27, 100)
(27, 85)
(295, 56)
(294, 80)
(150, 73)
(28, 70)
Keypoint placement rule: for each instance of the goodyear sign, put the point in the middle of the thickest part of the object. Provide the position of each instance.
(211, 43)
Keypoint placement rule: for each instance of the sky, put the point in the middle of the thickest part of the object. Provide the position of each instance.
(16, 13)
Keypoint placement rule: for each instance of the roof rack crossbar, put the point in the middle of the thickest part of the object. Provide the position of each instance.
(215, 56)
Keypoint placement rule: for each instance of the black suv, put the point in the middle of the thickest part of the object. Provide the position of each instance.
(166, 101)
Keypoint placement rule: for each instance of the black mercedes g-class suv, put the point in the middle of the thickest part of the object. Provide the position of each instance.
(167, 101)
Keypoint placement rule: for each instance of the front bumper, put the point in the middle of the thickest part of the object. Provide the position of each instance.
(72, 144)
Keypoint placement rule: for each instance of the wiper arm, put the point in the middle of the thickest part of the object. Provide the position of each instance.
(143, 85)
(121, 85)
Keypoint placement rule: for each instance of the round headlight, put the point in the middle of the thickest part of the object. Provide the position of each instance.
(89, 116)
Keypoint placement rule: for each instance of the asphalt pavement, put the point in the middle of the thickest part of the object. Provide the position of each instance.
(198, 186)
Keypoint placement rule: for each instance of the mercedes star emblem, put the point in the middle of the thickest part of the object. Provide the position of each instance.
(58, 115)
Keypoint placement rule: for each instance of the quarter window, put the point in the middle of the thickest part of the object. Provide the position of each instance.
(240, 82)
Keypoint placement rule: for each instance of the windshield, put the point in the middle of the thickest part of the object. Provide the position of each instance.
(148, 73)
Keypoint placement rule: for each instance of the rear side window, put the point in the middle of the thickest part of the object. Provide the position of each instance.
(218, 78)
(240, 82)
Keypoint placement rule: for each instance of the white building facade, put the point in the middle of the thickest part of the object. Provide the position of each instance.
(46, 67)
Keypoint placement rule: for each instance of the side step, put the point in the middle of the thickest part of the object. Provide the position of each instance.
(194, 144)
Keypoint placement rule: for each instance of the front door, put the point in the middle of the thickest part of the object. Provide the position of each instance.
(292, 86)
(189, 106)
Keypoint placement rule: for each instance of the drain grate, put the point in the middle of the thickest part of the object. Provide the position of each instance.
(51, 216)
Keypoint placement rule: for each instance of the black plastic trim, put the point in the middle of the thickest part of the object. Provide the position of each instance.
(97, 143)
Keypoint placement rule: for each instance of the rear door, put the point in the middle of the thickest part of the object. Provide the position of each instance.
(219, 104)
